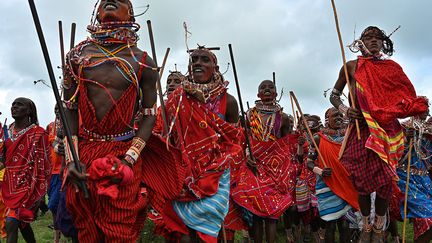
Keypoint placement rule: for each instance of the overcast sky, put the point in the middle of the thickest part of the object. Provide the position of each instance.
(296, 39)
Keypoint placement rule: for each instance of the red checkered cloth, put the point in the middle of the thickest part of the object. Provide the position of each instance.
(421, 226)
(368, 172)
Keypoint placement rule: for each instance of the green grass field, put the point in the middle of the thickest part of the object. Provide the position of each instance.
(45, 234)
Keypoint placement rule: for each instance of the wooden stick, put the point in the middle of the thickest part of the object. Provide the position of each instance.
(50, 70)
(62, 50)
(274, 79)
(243, 120)
(224, 234)
(307, 128)
(406, 191)
(294, 113)
(72, 37)
(158, 83)
(345, 65)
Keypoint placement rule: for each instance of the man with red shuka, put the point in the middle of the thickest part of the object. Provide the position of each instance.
(267, 189)
(382, 94)
(27, 170)
(201, 115)
(101, 111)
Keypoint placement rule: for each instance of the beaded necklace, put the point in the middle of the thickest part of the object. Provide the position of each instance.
(274, 107)
(335, 135)
(205, 92)
(115, 32)
(103, 35)
(14, 134)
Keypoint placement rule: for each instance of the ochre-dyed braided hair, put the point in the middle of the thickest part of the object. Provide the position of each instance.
(387, 42)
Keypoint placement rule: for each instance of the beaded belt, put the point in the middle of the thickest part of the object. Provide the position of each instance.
(112, 137)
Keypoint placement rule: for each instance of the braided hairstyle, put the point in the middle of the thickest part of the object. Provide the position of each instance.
(387, 42)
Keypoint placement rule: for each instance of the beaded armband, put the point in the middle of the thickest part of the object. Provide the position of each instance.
(135, 149)
(68, 153)
(336, 93)
(149, 111)
(70, 105)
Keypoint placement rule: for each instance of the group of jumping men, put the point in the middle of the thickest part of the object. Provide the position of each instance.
(197, 169)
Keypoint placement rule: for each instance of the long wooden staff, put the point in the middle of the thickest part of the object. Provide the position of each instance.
(158, 84)
(307, 127)
(72, 37)
(274, 79)
(406, 190)
(62, 50)
(243, 118)
(56, 92)
(293, 112)
(345, 65)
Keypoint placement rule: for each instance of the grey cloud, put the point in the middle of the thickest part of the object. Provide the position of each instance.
(294, 38)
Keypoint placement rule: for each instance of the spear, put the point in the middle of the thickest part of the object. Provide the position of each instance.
(72, 37)
(243, 119)
(345, 65)
(158, 84)
(294, 98)
(56, 92)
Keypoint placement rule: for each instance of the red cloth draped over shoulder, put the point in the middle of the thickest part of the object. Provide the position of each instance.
(339, 181)
(271, 192)
(384, 93)
(390, 94)
(208, 144)
(27, 169)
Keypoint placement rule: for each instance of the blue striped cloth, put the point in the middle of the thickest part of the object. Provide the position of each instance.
(330, 206)
(207, 215)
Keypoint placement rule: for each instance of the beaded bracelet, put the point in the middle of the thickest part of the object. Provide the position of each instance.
(149, 111)
(344, 109)
(135, 149)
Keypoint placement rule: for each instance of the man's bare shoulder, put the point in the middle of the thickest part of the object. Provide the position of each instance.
(231, 102)
(351, 64)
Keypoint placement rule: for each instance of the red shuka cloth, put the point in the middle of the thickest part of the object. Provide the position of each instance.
(390, 94)
(208, 144)
(339, 181)
(102, 218)
(384, 93)
(271, 192)
(27, 171)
